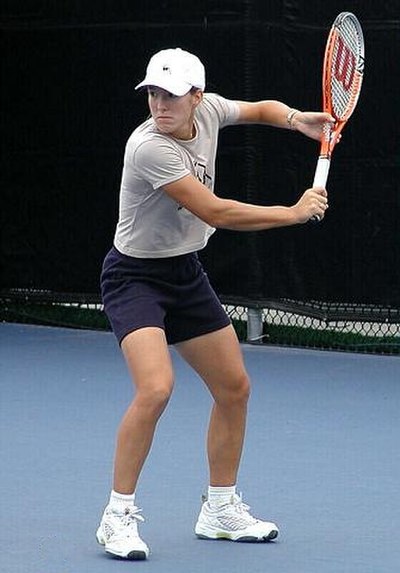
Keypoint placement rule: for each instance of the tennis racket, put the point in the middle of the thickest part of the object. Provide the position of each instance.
(342, 77)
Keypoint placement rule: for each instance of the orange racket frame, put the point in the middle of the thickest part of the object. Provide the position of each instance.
(343, 64)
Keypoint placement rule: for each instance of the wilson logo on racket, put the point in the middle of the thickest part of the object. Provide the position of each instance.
(345, 65)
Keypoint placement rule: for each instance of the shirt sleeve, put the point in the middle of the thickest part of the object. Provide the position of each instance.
(159, 162)
(227, 110)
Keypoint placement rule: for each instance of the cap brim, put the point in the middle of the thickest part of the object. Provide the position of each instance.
(176, 88)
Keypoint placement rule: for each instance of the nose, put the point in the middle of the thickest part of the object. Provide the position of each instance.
(162, 101)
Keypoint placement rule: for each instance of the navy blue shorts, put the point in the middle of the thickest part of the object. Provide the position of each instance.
(171, 293)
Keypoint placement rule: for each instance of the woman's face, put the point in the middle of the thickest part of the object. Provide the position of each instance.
(173, 114)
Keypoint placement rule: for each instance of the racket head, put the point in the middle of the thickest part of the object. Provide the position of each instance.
(343, 72)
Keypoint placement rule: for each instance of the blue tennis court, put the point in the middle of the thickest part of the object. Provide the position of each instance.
(322, 459)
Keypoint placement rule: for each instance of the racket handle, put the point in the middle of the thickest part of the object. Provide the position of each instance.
(321, 172)
(320, 178)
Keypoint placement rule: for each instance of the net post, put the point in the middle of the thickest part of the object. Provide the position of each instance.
(254, 325)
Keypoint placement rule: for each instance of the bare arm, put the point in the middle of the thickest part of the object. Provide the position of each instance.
(235, 215)
(276, 114)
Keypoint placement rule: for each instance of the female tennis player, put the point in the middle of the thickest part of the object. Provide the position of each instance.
(156, 293)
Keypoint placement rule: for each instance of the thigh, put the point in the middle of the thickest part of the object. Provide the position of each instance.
(197, 309)
(217, 358)
(148, 358)
(130, 293)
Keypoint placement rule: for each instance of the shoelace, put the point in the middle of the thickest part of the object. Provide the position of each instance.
(242, 509)
(236, 513)
(131, 515)
(126, 520)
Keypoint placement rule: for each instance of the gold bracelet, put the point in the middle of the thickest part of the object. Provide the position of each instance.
(290, 116)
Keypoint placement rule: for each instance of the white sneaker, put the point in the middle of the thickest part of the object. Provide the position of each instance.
(233, 521)
(118, 532)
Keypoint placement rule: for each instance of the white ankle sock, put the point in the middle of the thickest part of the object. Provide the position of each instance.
(219, 495)
(121, 500)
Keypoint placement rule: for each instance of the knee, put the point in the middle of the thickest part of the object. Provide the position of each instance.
(155, 399)
(238, 391)
(243, 389)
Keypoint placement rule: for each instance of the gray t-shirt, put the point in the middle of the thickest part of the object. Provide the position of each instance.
(151, 224)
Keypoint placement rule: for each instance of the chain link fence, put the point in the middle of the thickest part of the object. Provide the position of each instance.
(283, 322)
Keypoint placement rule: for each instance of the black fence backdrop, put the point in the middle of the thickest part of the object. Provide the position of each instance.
(68, 70)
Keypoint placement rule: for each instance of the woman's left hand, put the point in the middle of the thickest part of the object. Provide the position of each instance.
(312, 123)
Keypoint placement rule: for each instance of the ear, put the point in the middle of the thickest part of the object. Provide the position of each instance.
(197, 97)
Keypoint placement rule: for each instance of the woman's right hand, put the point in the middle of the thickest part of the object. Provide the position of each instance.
(313, 203)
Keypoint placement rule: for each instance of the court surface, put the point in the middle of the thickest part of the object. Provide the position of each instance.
(322, 459)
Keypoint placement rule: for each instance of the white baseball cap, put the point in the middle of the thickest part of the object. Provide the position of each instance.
(175, 71)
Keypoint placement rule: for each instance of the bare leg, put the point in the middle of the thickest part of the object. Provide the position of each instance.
(218, 360)
(148, 359)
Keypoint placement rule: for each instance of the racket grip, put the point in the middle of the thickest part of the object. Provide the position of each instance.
(321, 172)
(320, 178)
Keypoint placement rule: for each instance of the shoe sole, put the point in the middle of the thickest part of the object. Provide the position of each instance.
(132, 555)
(136, 555)
(245, 538)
